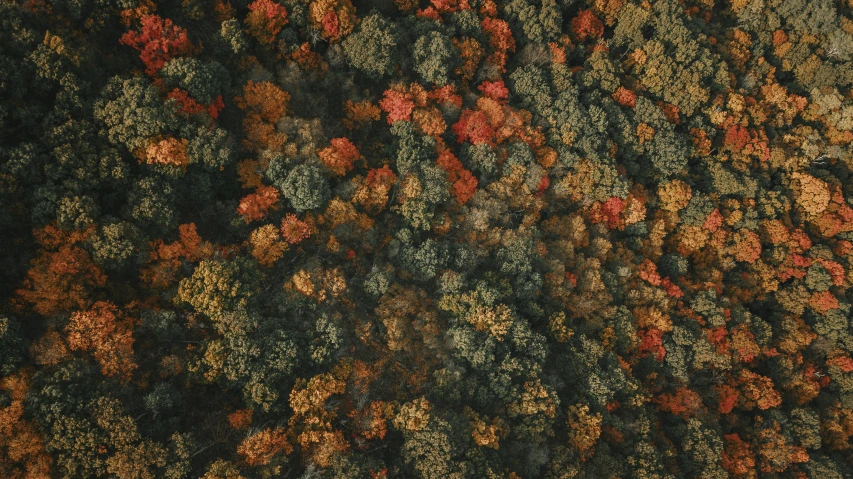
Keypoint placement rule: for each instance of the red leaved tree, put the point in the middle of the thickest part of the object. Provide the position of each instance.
(473, 126)
(294, 230)
(188, 106)
(586, 26)
(255, 206)
(737, 457)
(463, 182)
(265, 19)
(62, 276)
(500, 39)
(340, 156)
(398, 106)
(495, 90)
(158, 41)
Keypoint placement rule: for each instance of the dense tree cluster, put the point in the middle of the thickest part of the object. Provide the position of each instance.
(426, 238)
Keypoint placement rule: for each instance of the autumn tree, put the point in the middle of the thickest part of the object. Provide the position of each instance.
(158, 41)
(264, 104)
(339, 156)
(102, 331)
(265, 19)
(334, 18)
(218, 286)
(62, 277)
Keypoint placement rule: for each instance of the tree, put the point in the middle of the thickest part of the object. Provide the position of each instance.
(371, 48)
(434, 58)
(132, 112)
(305, 188)
(669, 153)
(359, 114)
(204, 81)
(267, 246)
(397, 105)
(260, 448)
(294, 230)
(255, 206)
(114, 245)
(500, 39)
(265, 104)
(23, 447)
(231, 32)
(586, 26)
(486, 433)
(540, 23)
(429, 451)
(76, 212)
(62, 277)
(212, 147)
(334, 18)
(265, 20)
(703, 447)
(312, 421)
(158, 41)
(340, 156)
(585, 429)
(13, 345)
(217, 287)
(463, 182)
(150, 203)
(131, 455)
(102, 331)
(473, 127)
(169, 152)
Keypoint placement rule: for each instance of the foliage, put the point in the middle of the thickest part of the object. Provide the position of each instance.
(437, 239)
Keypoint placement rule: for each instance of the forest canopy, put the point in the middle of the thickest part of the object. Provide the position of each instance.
(355, 239)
